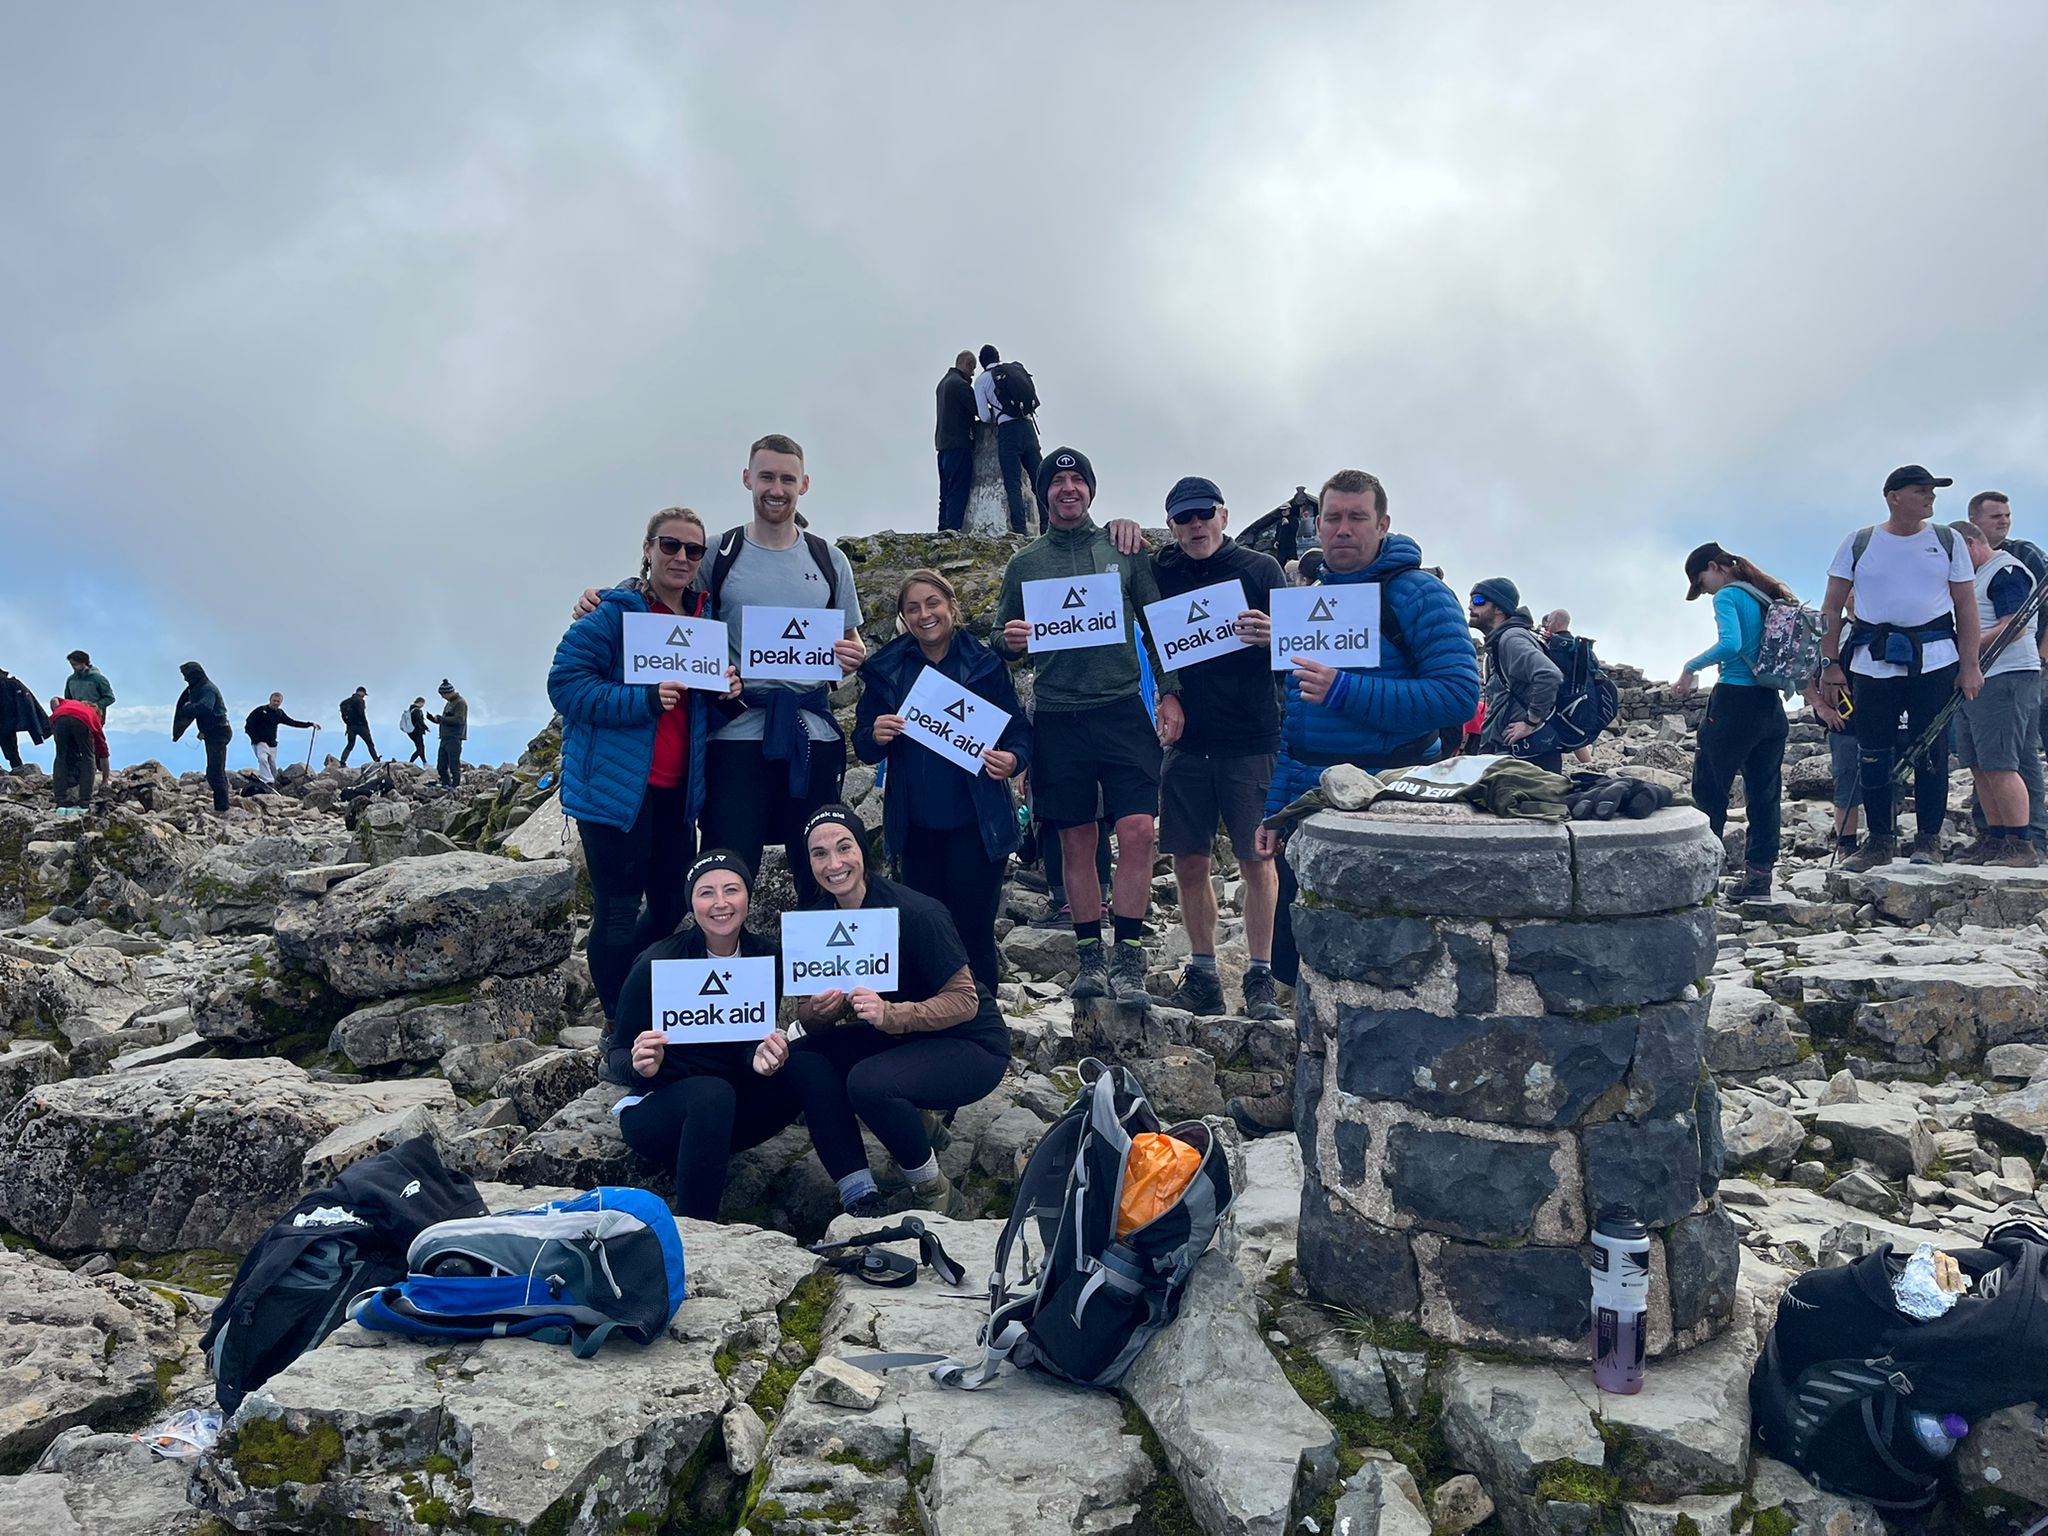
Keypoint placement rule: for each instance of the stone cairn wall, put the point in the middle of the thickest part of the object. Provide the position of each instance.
(1503, 1027)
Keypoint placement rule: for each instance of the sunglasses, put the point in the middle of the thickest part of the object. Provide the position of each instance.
(674, 546)
(1188, 515)
(1478, 601)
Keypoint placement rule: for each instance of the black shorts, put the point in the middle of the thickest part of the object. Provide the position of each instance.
(1113, 748)
(1195, 793)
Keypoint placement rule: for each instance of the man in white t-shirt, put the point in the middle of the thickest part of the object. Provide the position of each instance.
(1995, 731)
(1905, 654)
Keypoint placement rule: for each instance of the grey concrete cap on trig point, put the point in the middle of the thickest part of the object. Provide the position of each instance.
(1657, 864)
(1432, 863)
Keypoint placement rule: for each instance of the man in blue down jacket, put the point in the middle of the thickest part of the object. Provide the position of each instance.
(1389, 716)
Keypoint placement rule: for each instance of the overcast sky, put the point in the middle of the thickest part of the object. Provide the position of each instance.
(343, 344)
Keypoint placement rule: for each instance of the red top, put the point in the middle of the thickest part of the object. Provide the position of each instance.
(672, 731)
(78, 709)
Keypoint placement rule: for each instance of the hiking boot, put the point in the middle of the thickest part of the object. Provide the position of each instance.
(1260, 1000)
(936, 1194)
(1092, 979)
(1874, 854)
(872, 1206)
(1927, 848)
(2014, 853)
(1982, 851)
(936, 1131)
(1061, 916)
(1267, 1115)
(1199, 992)
(1755, 886)
(1127, 977)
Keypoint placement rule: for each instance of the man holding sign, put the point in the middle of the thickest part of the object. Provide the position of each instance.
(938, 707)
(1372, 682)
(1211, 624)
(1093, 736)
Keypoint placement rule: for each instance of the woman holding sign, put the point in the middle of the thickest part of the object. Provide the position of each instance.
(633, 756)
(936, 1043)
(949, 830)
(694, 1105)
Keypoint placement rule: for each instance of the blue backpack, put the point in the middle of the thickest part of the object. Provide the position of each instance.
(574, 1272)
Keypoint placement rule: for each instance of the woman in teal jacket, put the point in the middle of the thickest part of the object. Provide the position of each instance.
(633, 757)
(1743, 731)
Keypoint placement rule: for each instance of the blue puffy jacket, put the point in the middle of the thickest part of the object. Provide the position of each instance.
(1427, 679)
(886, 677)
(608, 725)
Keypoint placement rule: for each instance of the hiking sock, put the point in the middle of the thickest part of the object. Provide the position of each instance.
(1088, 933)
(855, 1185)
(1202, 963)
(1846, 843)
(1130, 930)
(1257, 967)
(925, 1171)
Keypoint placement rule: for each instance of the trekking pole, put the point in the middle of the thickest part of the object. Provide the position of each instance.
(311, 736)
(2019, 622)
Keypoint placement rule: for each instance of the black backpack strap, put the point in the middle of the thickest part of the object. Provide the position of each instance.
(729, 544)
(822, 553)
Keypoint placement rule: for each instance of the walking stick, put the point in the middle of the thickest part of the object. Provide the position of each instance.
(311, 736)
(2019, 622)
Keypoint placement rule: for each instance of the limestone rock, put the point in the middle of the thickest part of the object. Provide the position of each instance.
(2005, 1456)
(844, 1386)
(544, 1085)
(486, 1012)
(99, 1485)
(1813, 1513)
(1887, 1135)
(1458, 1505)
(2020, 1117)
(579, 1145)
(1373, 1504)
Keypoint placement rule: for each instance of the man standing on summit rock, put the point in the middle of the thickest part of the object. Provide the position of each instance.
(954, 440)
(454, 723)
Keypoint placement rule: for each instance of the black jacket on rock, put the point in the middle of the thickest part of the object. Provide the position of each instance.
(21, 710)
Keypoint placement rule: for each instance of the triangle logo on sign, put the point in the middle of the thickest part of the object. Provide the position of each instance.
(1074, 599)
(840, 939)
(1197, 612)
(1322, 613)
(712, 987)
(793, 630)
(677, 637)
(957, 709)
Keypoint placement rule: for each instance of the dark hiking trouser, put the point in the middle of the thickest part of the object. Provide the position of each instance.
(1017, 453)
(1879, 702)
(954, 869)
(956, 479)
(747, 803)
(419, 748)
(855, 1069)
(9, 749)
(217, 773)
(349, 746)
(449, 768)
(1742, 732)
(695, 1124)
(651, 858)
(73, 769)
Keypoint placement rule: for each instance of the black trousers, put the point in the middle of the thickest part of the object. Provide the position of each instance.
(956, 479)
(1879, 702)
(695, 1124)
(651, 860)
(419, 748)
(855, 1069)
(747, 802)
(9, 749)
(217, 773)
(953, 869)
(1742, 732)
(449, 767)
(73, 769)
(349, 746)
(1017, 453)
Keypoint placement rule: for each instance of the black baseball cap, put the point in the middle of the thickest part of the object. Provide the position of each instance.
(1911, 474)
(1192, 492)
(1697, 562)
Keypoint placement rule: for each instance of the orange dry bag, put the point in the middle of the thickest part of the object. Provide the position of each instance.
(1158, 1170)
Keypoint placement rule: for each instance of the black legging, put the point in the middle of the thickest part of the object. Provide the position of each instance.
(650, 859)
(349, 746)
(1743, 731)
(695, 1124)
(856, 1069)
(1879, 703)
(419, 748)
(952, 868)
(747, 803)
(217, 773)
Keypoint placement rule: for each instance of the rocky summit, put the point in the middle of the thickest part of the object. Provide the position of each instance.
(201, 1019)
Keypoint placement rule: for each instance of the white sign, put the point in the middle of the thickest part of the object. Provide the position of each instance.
(1072, 613)
(1197, 626)
(668, 648)
(791, 645)
(1337, 626)
(839, 950)
(697, 1002)
(956, 724)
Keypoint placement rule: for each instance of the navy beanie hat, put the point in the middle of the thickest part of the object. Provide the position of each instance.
(1054, 462)
(1500, 592)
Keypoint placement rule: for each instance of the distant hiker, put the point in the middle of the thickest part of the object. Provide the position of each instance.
(355, 717)
(1006, 399)
(81, 744)
(261, 729)
(1743, 731)
(1220, 765)
(1521, 679)
(1557, 626)
(1991, 511)
(20, 712)
(1996, 731)
(950, 832)
(202, 707)
(416, 727)
(633, 756)
(454, 723)
(954, 440)
(1905, 654)
(88, 683)
(1095, 750)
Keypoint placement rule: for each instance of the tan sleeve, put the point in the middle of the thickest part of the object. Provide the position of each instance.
(954, 1003)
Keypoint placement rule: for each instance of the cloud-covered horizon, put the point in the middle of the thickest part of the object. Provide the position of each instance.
(347, 345)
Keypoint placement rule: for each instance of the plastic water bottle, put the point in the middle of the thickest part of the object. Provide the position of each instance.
(1939, 1437)
(1621, 1298)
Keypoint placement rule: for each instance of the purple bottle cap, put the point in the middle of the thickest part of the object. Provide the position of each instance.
(1954, 1425)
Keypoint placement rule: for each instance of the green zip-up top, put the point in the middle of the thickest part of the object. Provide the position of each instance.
(1101, 674)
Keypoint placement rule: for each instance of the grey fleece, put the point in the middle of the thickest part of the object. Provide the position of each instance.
(1521, 681)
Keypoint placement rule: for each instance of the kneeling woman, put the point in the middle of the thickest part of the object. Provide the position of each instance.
(937, 1044)
(696, 1105)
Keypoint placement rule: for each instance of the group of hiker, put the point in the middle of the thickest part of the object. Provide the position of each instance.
(980, 395)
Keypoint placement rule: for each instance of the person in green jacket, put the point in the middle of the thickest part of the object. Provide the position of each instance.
(1093, 733)
(454, 723)
(88, 683)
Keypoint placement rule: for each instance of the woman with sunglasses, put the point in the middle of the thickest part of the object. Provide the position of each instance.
(949, 833)
(633, 756)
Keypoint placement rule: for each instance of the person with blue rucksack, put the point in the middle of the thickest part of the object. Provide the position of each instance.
(1743, 731)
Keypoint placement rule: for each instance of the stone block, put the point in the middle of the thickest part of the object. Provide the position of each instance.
(1525, 1071)
(1659, 864)
(1353, 1142)
(1381, 951)
(1446, 868)
(1468, 1186)
(1653, 1166)
(1664, 1079)
(1702, 1257)
(1473, 964)
(1515, 1298)
(1888, 1135)
(1618, 963)
(1349, 1262)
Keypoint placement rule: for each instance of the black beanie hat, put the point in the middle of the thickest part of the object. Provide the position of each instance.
(842, 816)
(1053, 463)
(715, 860)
